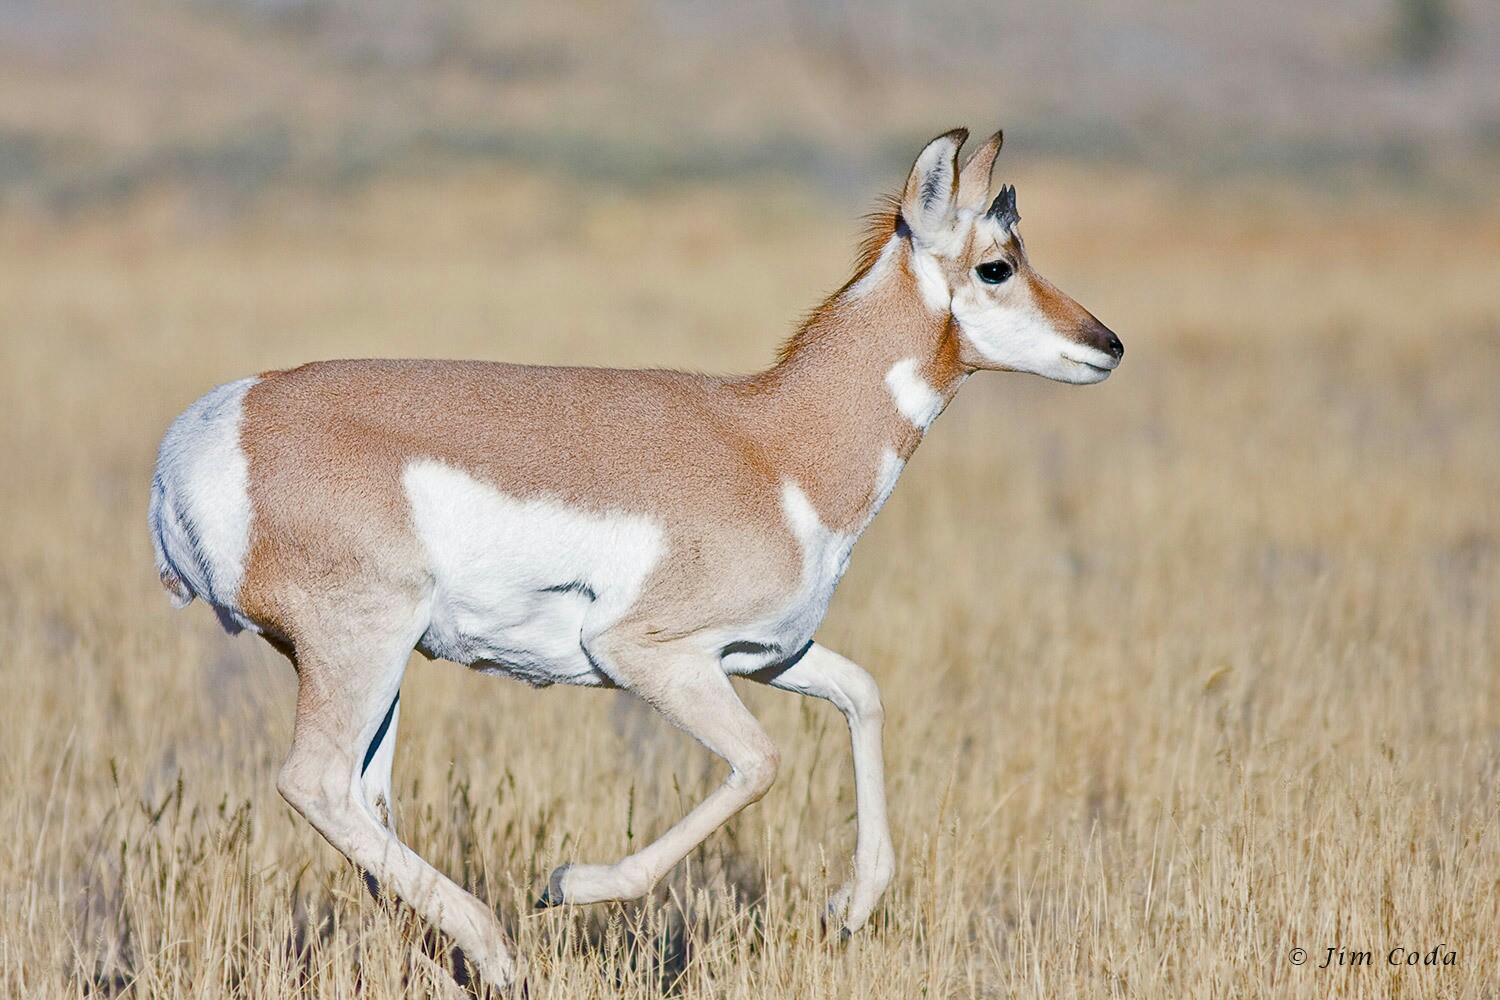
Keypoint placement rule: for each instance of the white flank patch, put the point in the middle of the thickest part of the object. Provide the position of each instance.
(931, 284)
(917, 401)
(200, 503)
(524, 585)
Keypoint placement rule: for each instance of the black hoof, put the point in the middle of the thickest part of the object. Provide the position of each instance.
(552, 895)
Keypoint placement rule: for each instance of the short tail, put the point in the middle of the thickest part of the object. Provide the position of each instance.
(200, 508)
(160, 513)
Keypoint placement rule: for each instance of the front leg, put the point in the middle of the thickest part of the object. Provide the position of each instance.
(822, 673)
(694, 694)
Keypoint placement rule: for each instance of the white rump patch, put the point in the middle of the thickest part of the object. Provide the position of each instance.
(524, 585)
(917, 401)
(200, 504)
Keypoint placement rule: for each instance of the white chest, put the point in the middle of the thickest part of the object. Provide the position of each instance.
(825, 557)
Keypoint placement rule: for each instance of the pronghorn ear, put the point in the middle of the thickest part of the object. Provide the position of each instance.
(974, 179)
(927, 202)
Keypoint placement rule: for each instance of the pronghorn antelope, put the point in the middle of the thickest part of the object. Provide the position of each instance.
(655, 531)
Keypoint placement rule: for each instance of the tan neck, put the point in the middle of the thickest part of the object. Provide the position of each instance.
(826, 407)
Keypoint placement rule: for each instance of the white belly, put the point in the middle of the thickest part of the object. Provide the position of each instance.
(522, 586)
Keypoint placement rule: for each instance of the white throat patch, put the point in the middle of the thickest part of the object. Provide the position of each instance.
(918, 402)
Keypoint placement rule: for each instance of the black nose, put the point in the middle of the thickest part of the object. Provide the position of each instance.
(1102, 337)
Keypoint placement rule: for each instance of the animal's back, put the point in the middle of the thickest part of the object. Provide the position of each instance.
(330, 471)
(603, 436)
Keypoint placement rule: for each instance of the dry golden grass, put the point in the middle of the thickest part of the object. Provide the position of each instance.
(1183, 671)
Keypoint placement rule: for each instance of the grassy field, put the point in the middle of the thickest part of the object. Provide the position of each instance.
(1183, 672)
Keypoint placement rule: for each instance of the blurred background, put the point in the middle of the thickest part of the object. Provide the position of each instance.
(229, 98)
(1182, 670)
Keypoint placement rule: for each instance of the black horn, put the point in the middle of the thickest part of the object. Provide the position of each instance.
(1003, 209)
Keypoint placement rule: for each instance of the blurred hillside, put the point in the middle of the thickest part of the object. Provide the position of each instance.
(99, 101)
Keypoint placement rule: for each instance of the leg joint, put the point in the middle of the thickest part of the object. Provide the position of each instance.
(758, 772)
(320, 797)
(862, 696)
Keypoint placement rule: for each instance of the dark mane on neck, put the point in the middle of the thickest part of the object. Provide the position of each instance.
(879, 225)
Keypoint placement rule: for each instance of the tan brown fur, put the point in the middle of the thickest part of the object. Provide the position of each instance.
(880, 225)
(337, 577)
(705, 455)
(1060, 310)
(327, 442)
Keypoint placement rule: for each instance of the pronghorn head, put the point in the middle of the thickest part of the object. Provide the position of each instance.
(969, 261)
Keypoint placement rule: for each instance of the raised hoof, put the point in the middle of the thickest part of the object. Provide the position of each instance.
(552, 895)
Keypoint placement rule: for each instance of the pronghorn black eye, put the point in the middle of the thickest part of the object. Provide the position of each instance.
(995, 271)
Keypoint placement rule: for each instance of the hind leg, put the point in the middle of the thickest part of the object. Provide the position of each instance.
(375, 781)
(375, 771)
(346, 692)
